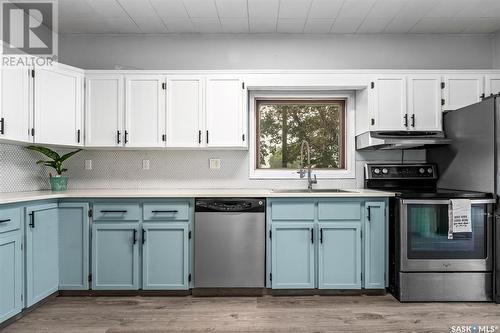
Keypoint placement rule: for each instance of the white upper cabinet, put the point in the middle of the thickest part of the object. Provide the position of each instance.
(225, 120)
(144, 111)
(185, 111)
(58, 106)
(15, 104)
(492, 84)
(388, 104)
(461, 90)
(104, 111)
(424, 103)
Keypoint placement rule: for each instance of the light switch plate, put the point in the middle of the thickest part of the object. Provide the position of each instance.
(145, 164)
(88, 164)
(214, 163)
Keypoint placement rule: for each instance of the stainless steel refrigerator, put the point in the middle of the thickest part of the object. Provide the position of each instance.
(472, 161)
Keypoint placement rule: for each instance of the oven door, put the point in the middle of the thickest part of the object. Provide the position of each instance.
(424, 238)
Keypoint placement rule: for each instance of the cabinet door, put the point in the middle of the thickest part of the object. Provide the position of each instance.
(15, 104)
(165, 256)
(389, 104)
(375, 245)
(42, 263)
(115, 256)
(11, 280)
(104, 111)
(492, 84)
(185, 111)
(145, 111)
(424, 103)
(339, 255)
(58, 106)
(224, 114)
(461, 90)
(73, 246)
(292, 255)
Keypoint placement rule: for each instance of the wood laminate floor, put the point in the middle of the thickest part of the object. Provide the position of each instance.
(252, 314)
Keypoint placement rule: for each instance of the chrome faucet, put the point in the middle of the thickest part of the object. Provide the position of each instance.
(301, 172)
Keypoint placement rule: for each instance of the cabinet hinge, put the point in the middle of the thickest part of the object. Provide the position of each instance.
(373, 121)
(32, 132)
(442, 85)
(90, 278)
(242, 85)
(372, 85)
(189, 234)
(189, 277)
(164, 86)
(243, 137)
(361, 276)
(442, 101)
(270, 276)
(90, 213)
(32, 73)
(22, 246)
(270, 234)
(22, 297)
(361, 234)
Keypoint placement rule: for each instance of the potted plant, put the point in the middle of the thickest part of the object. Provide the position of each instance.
(57, 182)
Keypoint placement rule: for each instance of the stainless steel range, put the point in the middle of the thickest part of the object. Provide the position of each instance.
(424, 264)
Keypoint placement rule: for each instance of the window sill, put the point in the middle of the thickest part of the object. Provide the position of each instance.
(292, 174)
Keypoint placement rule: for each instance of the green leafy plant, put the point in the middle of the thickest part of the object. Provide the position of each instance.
(56, 160)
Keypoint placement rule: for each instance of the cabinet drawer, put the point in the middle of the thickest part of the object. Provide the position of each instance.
(339, 210)
(173, 211)
(10, 219)
(117, 212)
(292, 210)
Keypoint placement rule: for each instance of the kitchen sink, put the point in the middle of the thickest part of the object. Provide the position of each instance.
(318, 190)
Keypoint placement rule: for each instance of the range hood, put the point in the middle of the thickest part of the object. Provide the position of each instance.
(384, 140)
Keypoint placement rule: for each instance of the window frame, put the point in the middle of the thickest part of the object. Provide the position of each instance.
(303, 96)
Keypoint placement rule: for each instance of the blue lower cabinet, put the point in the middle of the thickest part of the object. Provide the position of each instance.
(339, 255)
(11, 280)
(42, 264)
(292, 255)
(115, 256)
(165, 259)
(73, 246)
(375, 245)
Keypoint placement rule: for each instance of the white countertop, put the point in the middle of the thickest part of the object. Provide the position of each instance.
(13, 197)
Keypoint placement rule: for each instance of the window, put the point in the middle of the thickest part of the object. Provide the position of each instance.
(282, 126)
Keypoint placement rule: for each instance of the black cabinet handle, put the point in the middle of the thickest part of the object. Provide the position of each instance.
(406, 120)
(4, 221)
(32, 220)
(135, 237)
(412, 120)
(312, 236)
(369, 214)
(2, 125)
(126, 136)
(207, 136)
(164, 137)
(118, 134)
(78, 136)
(199, 136)
(143, 236)
(164, 211)
(321, 235)
(123, 211)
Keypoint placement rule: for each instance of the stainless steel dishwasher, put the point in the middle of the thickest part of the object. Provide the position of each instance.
(229, 243)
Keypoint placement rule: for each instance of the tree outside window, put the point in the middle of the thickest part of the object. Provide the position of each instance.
(282, 125)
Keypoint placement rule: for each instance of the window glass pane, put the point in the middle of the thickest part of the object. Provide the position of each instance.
(283, 125)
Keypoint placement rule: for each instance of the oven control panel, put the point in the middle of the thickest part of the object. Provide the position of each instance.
(401, 171)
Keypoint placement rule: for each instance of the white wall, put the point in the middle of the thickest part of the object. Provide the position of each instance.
(278, 52)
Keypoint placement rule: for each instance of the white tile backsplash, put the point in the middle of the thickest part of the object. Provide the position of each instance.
(168, 169)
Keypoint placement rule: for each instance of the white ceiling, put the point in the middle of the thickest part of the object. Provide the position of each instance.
(279, 16)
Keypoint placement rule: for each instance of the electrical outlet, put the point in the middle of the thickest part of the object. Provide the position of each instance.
(214, 163)
(88, 164)
(145, 164)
